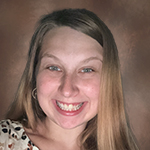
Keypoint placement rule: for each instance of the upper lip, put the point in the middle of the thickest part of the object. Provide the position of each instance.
(74, 103)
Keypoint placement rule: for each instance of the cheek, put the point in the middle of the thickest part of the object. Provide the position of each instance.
(92, 91)
(45, 84)
(92, 88)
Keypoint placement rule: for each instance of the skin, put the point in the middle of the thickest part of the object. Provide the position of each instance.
(69, 72)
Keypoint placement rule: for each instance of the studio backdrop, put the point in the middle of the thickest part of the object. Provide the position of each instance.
(129, 21)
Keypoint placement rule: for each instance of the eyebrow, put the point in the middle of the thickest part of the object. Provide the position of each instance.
(49, 56)
(91, 58)
(84, 61)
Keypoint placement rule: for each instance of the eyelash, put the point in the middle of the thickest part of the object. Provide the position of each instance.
(84, 70)
(87, 70)
(54, 68)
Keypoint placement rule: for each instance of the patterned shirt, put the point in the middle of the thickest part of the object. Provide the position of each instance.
(13, 137)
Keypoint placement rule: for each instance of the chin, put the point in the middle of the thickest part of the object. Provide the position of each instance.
(71, 125)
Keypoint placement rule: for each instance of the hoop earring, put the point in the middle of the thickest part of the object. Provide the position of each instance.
(34, 93)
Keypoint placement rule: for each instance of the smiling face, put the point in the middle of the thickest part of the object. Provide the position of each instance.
(68, 79)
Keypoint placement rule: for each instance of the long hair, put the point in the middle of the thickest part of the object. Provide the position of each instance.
(109, 129)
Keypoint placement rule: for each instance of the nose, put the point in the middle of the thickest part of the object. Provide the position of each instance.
(68, 87)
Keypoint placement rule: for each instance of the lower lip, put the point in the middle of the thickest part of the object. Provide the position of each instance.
(69, 113)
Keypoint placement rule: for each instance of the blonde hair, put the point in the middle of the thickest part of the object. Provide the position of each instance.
(109, 129)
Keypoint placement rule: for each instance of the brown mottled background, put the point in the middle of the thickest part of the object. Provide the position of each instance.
(129, 22)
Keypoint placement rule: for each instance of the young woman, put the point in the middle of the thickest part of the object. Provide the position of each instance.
(70, 95)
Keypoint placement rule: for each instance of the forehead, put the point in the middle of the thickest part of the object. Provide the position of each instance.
(67, 40)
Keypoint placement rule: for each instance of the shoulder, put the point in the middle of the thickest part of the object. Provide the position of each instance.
(13, 136)
(11, 129)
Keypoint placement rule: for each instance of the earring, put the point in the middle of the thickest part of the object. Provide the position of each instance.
(34, 93)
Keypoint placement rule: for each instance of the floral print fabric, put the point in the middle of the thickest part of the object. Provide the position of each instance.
(13, 137)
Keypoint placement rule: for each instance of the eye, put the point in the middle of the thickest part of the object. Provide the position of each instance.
(87, 70)
(54, 68)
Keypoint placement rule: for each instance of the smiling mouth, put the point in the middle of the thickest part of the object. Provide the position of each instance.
(69, 107)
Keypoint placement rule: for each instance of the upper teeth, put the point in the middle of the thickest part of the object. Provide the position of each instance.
(69, 107)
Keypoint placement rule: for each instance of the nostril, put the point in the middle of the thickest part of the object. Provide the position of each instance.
(68, 88)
